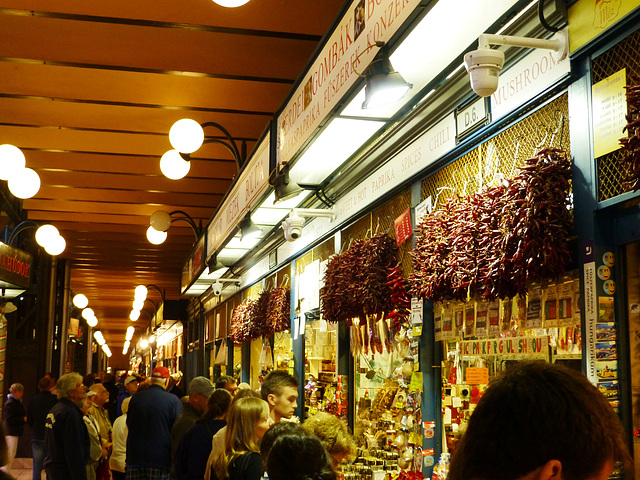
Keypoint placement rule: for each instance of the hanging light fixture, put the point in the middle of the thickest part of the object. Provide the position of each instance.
(11, 161)
(230, 3)
(140, 292)
(173, 166)
(156, 237)
(134, 315)
(79, 300)
(160, 222)
(55, 246)
(383, 84)
(248, 229)
(25, 183)
(186, 135)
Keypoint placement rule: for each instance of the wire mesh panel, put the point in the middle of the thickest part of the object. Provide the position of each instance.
(625, 54)
(502, 155)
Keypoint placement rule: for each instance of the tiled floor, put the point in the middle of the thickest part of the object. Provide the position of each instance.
(22, 469)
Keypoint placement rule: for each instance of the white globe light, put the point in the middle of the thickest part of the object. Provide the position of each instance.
(156, 237)
(25, 183)
(87, 313)
(173, 166)
(45, 234)
(140, 292)
(160, 221)
(92, 322)
(80, 300)
(134, 315)
(144, 343)
(11, 161)
(55, 246)
(231, 3)
(138, 304)
(186, 135)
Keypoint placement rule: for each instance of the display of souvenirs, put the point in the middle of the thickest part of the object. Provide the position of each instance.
(322, 391)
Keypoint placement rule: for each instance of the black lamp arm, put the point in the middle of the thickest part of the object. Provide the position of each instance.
(197, 230)
(378, 44)
(21, 227)
(160, 291)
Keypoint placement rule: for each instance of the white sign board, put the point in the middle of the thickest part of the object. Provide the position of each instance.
(526, 79)
(252, 184)
(332, 73)
(471, 115)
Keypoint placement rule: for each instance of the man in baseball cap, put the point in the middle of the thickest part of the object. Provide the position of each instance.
(131, 384)
(200, 389)
(152, 413)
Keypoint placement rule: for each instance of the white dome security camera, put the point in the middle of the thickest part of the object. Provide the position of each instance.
(292, 227)
(484, 67)
(217, 288)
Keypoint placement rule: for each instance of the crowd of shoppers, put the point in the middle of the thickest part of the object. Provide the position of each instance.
(222, 431)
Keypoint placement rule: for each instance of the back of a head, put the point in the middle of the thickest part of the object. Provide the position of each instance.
(299, 456)
(222, 381)
(66, 383)
(332, 432)
(44, 384)
(16, 387)
(281, 428)
(217, 405)
(533, 413)
(276, 381)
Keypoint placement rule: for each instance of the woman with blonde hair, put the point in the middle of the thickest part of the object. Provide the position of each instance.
(247, 422)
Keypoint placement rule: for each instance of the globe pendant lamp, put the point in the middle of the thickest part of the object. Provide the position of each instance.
(186, 135)
(156, 237)
(24, 184)
(173, 166)
(11, 161)
(231, 3)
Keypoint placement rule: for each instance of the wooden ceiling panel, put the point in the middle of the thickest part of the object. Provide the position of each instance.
(277, 16)
(135, 88)
(151, 48)
(89, 91)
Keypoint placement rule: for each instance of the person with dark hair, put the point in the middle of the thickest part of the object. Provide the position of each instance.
(299, 455)
(66, 439)
(280, 391)
(273, 433)
(540, 421)
(334, 435)
(14, 416)
(248, 421)
(37, 410)
(228, 383)
(195, 447)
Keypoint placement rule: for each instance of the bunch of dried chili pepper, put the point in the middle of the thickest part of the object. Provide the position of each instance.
(494, 243)
(630, 144)
(279, 310)
(240, 322)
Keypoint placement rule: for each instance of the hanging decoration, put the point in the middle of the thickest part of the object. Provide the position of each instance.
(364, 288)
(261, 317)
(495, 243)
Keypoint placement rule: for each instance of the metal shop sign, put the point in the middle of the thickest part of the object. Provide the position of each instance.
(331, 74)
(15, 266)
(506, 346)
(251, 185)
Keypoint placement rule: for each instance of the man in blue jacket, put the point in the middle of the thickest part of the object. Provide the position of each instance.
(151, 415)
(66, 440)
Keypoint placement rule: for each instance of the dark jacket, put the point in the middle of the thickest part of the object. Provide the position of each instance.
(183, 423)
(194, 449)
(39, 406)
(13, 415)
(66, 442)
(150, 417)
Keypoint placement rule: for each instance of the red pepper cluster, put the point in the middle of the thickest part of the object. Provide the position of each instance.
(365, 283)
(261, 317)
(496, 242)
(631, 144)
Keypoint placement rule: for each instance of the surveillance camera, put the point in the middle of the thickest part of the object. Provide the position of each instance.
(484, 66)
(217, 288)
(292, 227)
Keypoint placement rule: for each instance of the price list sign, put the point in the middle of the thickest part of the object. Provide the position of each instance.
(609, 109)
